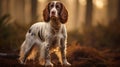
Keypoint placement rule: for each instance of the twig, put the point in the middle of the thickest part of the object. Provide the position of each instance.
(9, 56)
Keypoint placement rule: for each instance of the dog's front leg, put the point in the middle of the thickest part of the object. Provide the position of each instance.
(63, 52)
(47, 56)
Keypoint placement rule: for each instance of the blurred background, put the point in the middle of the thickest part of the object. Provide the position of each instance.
(93, 27)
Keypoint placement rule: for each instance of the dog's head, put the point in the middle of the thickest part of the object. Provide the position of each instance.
(55, 10)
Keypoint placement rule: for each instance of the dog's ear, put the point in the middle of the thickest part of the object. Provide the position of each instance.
(46, 13)
(63, 14)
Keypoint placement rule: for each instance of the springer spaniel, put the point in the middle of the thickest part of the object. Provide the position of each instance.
(49, 36)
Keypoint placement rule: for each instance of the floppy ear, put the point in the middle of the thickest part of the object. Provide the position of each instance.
(46, 15)
(63, 14)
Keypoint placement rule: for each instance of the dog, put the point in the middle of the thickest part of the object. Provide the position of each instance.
(49, 36)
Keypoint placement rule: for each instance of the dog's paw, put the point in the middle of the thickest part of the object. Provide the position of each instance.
(66, 63)
(42, 62)
(48, 64)
(21, 61)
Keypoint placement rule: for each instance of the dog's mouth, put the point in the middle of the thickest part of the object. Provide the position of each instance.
(53, 15)
(53, 18)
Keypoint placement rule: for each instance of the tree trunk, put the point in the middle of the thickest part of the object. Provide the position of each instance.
(118, 16)
(34, 11)
(0, 7)
(113, 9)
(76, 17)
(89, 9)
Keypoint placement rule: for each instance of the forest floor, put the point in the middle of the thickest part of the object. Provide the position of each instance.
(78, 56)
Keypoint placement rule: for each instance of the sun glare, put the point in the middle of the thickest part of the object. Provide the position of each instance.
(82, 2)
(40, 0)
(99, 3)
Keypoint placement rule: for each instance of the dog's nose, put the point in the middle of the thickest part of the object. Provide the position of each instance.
(53, 12)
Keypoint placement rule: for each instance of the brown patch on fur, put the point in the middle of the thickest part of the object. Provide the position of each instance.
(40, 35)
(46, 12)
(63, 14)
(55, 27)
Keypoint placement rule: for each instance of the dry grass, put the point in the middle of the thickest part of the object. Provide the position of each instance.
(84, 56)
(90, 57)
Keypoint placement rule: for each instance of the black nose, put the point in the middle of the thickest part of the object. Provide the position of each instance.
(53, 12)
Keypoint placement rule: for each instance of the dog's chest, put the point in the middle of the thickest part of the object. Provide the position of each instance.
(55, 42)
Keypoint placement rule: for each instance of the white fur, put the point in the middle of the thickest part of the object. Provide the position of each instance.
(54, 9)
(31, 40)
(44, 38)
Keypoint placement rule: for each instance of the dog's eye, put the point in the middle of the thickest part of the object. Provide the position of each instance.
(57, 6)
(52, 5)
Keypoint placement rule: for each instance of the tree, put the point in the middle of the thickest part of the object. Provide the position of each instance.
(34, 10)
(89, 9)
(118, 16)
